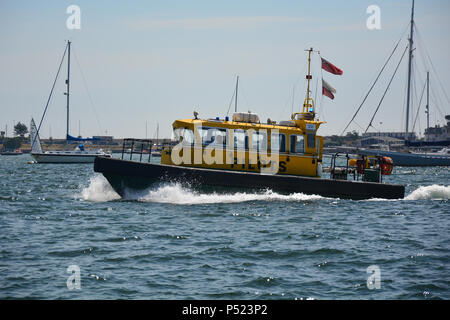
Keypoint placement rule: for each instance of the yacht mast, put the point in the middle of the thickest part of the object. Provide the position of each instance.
(428, 100)
(409, 72)
(68, 86)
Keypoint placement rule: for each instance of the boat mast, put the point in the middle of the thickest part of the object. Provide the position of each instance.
(409, 72)
(308, 104)
(428, 101)
(68, 87)
(308, 77)
(236, 96)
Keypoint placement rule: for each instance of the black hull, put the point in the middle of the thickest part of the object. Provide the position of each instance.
(126, 175)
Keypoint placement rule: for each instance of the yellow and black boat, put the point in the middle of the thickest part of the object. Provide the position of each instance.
(242, 152)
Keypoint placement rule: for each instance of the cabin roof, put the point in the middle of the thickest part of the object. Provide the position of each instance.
(234, 124)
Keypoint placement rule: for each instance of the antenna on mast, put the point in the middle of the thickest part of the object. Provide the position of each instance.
(308, 111)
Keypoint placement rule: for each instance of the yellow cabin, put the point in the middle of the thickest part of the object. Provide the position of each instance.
(245, 144)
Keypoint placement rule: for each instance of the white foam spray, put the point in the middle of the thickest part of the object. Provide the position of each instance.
(99, 190)
(176, 194)
(433, 192)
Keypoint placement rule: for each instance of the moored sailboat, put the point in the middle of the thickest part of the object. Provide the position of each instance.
(79, 154)
(407, 154)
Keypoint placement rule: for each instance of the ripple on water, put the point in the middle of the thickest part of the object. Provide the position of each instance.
(173, 242)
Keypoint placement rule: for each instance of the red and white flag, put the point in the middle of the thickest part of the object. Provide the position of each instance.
(327, 90)
(328, 66)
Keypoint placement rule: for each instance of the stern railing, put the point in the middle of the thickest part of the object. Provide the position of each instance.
(144, 148)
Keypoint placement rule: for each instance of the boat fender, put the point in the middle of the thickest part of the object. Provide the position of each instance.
(319, 169)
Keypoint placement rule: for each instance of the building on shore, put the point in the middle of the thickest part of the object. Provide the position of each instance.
(379, 141)
(438, 133)
(396, 135)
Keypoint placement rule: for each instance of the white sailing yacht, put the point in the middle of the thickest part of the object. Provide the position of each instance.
(405, 156)
(79, 154)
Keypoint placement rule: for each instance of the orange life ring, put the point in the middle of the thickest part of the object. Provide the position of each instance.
(387, 165)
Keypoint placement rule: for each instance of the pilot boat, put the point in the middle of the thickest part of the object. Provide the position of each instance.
(243, 153)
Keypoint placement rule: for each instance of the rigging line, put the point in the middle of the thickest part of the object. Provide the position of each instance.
(293, 99)
(437, 98)
(427, 66)
(315, 96)
(417, 77)
(50, 96)
(379, 74)
(87, 90)
(321, 110)
(231, 101)
(437, 101)
(413, 89)
(358, 125)
(431, 61)
(387, 88)
(296, 84)
(299, 77)
(420, 103)
(242, 90)
(286, 104)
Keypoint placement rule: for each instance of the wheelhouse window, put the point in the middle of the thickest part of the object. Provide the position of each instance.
(318, 146)
(297, 143)
(259, 140)
(278, 142)
(311, 140)
(184, 135)
(216, 136)
(240, 139)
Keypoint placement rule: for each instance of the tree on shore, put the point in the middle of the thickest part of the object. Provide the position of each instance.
(353, 136)
(20, 129)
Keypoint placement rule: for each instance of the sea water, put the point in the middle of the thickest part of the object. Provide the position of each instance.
(172, 242)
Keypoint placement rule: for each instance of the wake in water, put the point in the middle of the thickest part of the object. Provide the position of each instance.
(99, 190)
(433, 192)
(176, 194)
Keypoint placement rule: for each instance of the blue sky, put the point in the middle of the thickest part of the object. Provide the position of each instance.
(157, 61)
